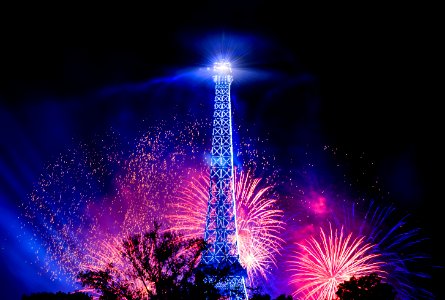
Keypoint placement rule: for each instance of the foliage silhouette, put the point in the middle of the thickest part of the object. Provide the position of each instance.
(161, 265)
(257, 294)
(284, 297)
(367, 287)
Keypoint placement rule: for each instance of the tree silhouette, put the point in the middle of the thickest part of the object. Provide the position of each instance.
(367, 287)
(161, 265)
(257, 294)
(284, 297)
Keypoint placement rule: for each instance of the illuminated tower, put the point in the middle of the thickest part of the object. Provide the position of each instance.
(221, 230)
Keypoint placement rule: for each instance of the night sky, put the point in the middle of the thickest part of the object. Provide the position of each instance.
(363, 79)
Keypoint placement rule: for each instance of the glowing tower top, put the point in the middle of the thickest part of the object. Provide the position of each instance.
(223, 73)
(221, 229)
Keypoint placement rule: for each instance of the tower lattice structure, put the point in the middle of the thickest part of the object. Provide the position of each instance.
(222, 257)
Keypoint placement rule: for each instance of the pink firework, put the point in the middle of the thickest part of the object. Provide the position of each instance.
(97, 193)
(259, 221)
(111, 258)
(320, 265)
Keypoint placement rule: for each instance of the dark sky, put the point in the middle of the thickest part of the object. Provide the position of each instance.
(369, 74)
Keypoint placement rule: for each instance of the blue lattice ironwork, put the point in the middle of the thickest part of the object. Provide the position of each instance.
(220, 232)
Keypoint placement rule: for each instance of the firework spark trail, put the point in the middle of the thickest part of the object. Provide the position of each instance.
(56, 208)
(259, 224)
(321, 264)
(395, 240)
(363, 212)
(111, 258)
(259, 221)
(95, 193)
(190, 207)
(121, 269)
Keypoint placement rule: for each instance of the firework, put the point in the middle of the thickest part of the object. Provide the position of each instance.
(323, 197)
(111, 258)
(396, 241)
(60, 211)
(259, 221)
(95, 193)
(100, 192)
(321, 264)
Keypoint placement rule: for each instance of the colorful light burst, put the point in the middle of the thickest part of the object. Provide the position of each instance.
(397, 241)
(320, 264)
(323, 194)
(111, 258)
(259, 220)
(100, 192)
(97, 193)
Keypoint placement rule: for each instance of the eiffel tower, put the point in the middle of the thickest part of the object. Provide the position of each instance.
(221, 231)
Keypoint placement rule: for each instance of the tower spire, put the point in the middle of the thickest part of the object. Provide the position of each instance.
(221, 230)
